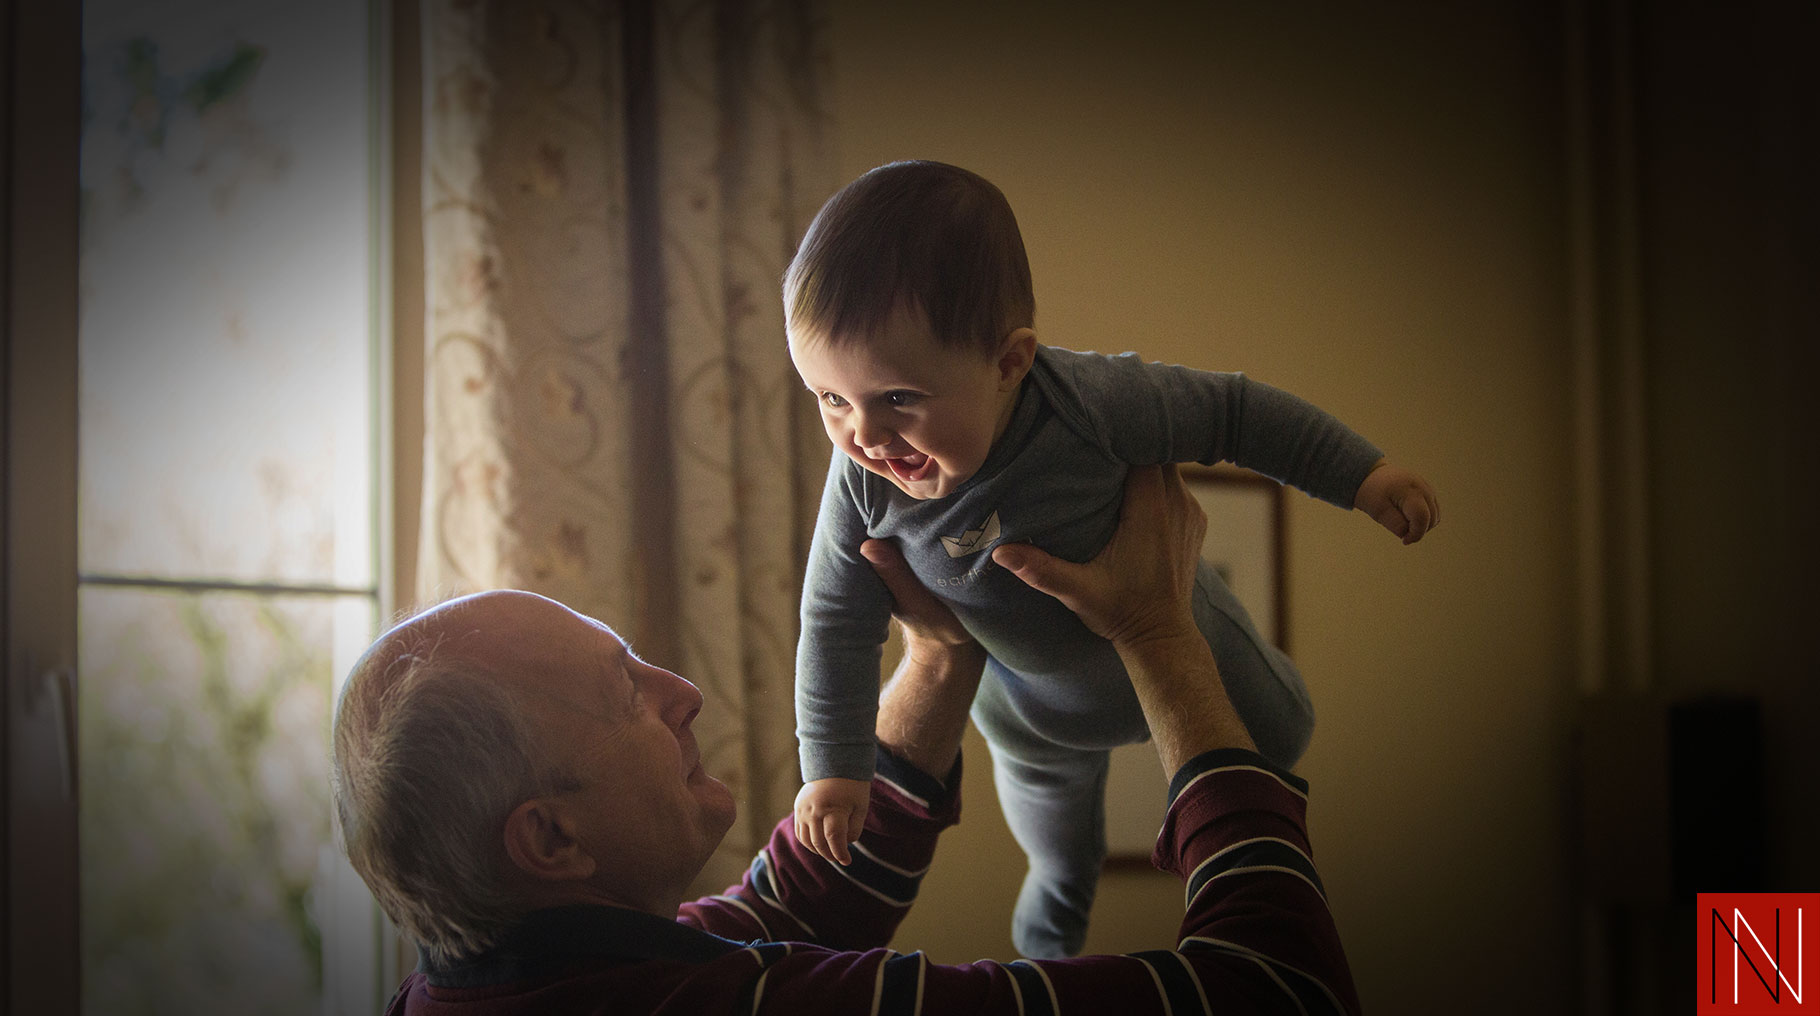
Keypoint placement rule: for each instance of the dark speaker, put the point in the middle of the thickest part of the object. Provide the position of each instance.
(1715, 804)
(1671, 798)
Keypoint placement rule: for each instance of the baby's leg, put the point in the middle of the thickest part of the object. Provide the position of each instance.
(1265, 687)
(1054, 801)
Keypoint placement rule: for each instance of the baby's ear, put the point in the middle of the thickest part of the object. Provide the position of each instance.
(1015, 355)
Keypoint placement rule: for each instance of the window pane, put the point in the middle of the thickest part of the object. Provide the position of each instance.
(225, 350)
(204, 787)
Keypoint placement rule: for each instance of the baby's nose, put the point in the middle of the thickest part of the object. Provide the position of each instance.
(868, 434)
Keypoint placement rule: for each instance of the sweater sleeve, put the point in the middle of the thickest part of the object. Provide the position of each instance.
(792, 894)
(846, 613)
(1255, 938)
(1151, 413)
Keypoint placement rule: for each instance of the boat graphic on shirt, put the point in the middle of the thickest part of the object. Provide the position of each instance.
(973, 540)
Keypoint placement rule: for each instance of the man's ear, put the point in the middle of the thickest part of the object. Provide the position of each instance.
(1015, 355)
(541, 843)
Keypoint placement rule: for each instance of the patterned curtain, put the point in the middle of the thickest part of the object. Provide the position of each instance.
(611, 193)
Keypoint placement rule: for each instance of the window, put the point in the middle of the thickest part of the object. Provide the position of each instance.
(231, 476)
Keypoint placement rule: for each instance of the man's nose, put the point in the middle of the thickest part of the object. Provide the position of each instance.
(682, 700)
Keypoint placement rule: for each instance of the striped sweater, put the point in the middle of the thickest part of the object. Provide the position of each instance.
(804, 937)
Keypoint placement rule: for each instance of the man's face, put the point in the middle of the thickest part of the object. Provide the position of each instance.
(620, 730)
(904, 406)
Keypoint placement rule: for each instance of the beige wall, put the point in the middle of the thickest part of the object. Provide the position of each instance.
(1365, 209)
(1370, 208)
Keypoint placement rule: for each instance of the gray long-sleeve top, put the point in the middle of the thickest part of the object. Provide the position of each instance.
(1054, 479)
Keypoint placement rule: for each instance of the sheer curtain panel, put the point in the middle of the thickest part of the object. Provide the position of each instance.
(611, 193)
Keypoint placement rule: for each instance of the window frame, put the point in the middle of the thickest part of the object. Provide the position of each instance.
(40, 145)
(42, 41)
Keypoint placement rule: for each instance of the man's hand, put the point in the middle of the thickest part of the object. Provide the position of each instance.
(1138, 594)
(1139, 584)
(928, 625)
(830, 814)
(1400, 501)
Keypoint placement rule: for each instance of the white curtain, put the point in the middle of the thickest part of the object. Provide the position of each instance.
(611, 193)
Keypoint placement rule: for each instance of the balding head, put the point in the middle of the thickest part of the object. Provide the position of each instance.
(501, 753)
(433, 749)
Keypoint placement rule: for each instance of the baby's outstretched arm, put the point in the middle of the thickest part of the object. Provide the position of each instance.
(1400, 500)
(830, 814)
(922, 711)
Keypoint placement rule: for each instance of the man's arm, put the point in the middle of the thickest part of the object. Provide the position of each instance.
(1236, 829)
(922, 712)
(1256, 937)
(791, 894)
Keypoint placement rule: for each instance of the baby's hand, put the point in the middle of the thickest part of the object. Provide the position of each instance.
(1400, 501)
(830, 814)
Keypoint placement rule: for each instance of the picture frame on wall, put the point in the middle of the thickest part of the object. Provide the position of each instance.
(1247, 544)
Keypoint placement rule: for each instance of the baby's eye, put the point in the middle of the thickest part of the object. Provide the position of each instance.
(902, 399)
(833, 401)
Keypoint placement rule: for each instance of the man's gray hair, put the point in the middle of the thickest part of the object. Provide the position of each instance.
(431, 753)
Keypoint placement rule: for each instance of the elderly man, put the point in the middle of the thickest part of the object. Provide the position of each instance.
(526, 799)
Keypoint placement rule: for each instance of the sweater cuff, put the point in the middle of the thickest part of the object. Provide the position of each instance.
(1221, 758)
(938, 797)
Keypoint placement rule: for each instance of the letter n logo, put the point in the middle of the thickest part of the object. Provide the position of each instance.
(1753, 954)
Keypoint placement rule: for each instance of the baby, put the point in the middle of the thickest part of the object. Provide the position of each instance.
(909, 312)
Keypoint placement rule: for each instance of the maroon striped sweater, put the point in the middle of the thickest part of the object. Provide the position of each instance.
(803, 937)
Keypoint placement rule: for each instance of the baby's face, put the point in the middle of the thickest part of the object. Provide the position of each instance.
(904, 406)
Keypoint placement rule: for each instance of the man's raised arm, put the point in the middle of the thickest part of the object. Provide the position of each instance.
(792, 894)
(1256, 936)
(922, 711)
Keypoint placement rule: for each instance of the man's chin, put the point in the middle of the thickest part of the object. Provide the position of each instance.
(723, 822)
(716, 799)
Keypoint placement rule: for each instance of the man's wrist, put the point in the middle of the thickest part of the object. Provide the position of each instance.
(1184, 701)
(923, 708)
(945, 660)
(1157, 636)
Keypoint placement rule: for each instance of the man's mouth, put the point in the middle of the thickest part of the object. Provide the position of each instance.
(911, 468)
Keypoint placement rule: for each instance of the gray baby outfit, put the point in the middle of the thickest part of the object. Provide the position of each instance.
(1055, 697)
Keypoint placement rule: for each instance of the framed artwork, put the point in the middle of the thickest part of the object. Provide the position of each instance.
(1246, 544)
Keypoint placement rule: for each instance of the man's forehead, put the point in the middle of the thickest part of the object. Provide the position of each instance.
(515, 631)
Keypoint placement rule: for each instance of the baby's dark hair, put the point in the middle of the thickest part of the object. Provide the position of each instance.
(925, 235)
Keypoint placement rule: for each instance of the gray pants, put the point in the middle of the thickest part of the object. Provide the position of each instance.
(1054, 793)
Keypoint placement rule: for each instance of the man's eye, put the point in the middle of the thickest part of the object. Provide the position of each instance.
(901, 399)
(833, 401)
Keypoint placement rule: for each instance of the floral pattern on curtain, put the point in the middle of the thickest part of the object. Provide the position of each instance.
(611, 194)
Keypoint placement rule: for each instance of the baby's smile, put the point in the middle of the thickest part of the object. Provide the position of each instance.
(912, 467)
(909, 409)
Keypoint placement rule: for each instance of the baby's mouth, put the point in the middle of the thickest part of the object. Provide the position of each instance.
(911, 468)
